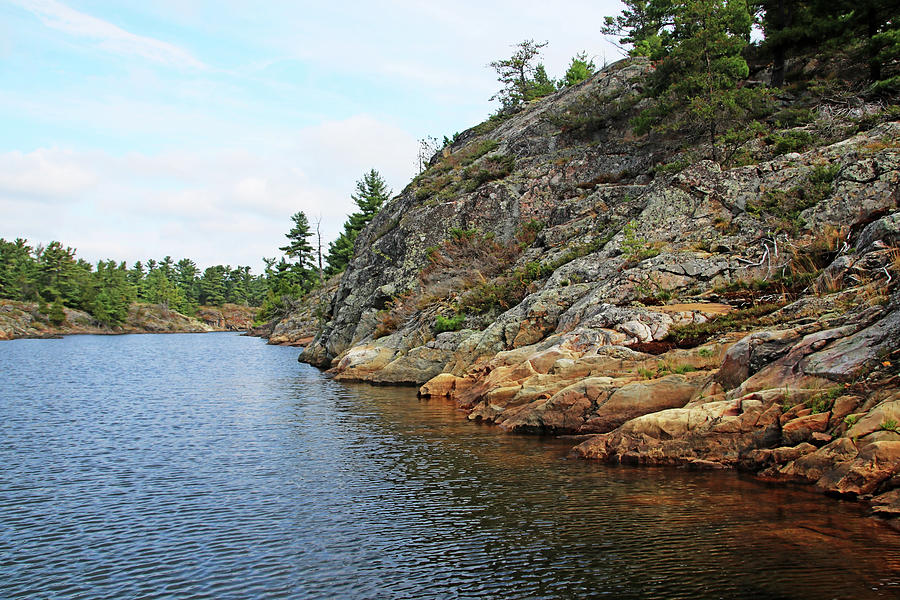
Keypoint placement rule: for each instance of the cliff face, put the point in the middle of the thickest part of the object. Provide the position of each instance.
(742, 317)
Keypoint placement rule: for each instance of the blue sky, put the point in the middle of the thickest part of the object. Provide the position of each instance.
(132, 130)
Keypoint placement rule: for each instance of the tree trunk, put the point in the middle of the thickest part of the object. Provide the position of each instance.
(319, 251)
(778, 49)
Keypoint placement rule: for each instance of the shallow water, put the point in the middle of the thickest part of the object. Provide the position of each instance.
(214, 466)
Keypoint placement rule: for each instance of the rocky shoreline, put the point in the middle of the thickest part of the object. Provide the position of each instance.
(24, 320)
(551, 273)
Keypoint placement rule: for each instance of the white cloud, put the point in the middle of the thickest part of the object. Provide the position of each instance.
(109, 37)
(212, 206)
(45, 175)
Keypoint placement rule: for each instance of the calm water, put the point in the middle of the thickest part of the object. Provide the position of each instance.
(214, 466)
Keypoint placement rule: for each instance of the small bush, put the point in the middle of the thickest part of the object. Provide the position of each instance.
(790, 141)
(695, 334)
(823, 401)
(454, 323)
(794, 117)
(496, 166)
(646, 373)
(785, 206)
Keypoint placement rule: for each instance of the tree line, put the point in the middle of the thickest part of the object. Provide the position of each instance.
(303, 267)
(54, 277)
(702, 50)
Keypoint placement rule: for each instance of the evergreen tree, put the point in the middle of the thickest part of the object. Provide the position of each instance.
(18, 271)
(695, 86)
(186, 273)
(298, 246)
(111, 293)
(517, 73)
(56, 265)
(136, 277)
(161, 290)
(645, 25)
(580, 69)
(212, 286)
(371, 194)
(540, 86)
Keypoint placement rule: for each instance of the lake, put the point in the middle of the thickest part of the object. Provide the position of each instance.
(215, 466)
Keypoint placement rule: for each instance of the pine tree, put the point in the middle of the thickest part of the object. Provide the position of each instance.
(212, 286)
(186, 272)
(371, 194)
(695, 86)
(540, 86)
(517, 73)
(298, 246)
(580, 69)
(645, 25)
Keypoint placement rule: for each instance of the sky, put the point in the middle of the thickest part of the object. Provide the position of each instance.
(136, 130)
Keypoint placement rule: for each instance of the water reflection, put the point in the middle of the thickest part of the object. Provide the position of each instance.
(213, 466)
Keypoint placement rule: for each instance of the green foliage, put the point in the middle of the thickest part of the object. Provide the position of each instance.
(634, 246)
(852, 420)
(371, 194)
(454, 323)
(785, 206)
(790, 141)
(695, 334)
(794, 116)
(644, 24)
(646, 373)
(455, 173)
(491, 123)
(580, 69)
(519, 75)
(695, 92)
(886, 48)
(56, 314)
(591, 112)
(106, 290)
(495, 166)
(890, 425)
(663, 369)
(298, 247)
(823, 401)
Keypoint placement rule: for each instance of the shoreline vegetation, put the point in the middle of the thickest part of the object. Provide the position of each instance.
(690, 256)
(24, 320)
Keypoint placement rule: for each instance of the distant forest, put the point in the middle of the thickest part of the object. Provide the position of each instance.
(54, 277)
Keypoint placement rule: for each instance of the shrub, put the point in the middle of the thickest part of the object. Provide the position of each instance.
(695, 334)
(785, 206)
(496, 166)
(790, 141)
(794, 117)
(851, 420)
(823, 401)
(454, 323)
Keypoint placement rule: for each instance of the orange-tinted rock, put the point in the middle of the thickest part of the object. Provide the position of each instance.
(640, 398)
(883, 413)
(441, 386)
(801, 429)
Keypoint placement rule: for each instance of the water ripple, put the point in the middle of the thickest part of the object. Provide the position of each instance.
(213, 466)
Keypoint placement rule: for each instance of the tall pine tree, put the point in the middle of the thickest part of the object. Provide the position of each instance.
(371, 194)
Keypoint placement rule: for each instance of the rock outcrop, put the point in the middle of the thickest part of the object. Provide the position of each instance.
(25, 320)
(742, 317)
